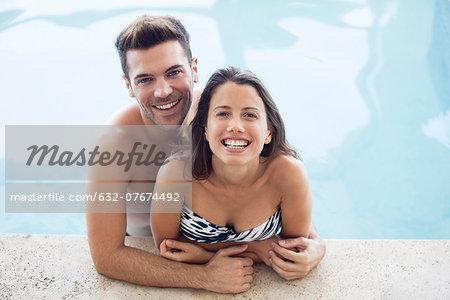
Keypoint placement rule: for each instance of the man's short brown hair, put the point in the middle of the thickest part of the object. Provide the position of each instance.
(149, 31)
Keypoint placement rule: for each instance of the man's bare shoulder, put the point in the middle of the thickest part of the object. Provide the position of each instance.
(118, 137)
(127, 115)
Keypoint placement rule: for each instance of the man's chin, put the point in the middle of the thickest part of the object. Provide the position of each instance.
(169, 121)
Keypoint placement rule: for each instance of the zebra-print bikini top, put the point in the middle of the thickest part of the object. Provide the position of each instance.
(196, 228)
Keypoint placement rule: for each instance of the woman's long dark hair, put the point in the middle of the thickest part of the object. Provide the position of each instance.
(201, 152)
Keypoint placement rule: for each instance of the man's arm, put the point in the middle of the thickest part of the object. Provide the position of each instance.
(106, 233)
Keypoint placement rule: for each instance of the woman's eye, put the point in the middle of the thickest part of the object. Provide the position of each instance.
(222, 114)
(250, 115)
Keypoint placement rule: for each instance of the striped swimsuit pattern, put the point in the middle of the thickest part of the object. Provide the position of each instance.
(196, 228)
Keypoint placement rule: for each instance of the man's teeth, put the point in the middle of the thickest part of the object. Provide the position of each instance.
(235, 144)
(167, 106)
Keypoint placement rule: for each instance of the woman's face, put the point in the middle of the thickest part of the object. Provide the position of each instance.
(237, 124)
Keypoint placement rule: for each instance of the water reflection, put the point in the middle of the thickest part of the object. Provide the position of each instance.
(389, 175)
(387, 179)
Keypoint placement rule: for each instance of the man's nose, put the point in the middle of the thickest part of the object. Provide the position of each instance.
(163, 89)
(235, 125)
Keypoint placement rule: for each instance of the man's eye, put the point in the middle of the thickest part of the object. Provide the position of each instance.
(144, 80)
(174, 73)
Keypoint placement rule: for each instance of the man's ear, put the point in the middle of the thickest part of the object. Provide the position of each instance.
(269, 137)
(195, 69)
(130, 90)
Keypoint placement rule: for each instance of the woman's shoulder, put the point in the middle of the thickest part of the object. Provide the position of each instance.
(175, 167)
(286, 169)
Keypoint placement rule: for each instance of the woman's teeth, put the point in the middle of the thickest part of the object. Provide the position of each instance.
(235, 144)
(168, 105)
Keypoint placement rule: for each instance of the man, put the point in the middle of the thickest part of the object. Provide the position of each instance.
(159, 72)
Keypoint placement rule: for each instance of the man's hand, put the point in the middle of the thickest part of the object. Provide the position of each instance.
(227, 274)
(295, 258)
(184, 252)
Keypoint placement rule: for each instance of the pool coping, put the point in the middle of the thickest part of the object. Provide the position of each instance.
(60, 266)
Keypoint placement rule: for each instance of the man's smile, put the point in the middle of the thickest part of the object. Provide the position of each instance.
(167, 105)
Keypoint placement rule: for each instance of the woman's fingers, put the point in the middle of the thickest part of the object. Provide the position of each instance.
(174, 257)
(283, 252)
(300, 242)
(167, 250)
(280, 263)
(178, 245)
(163, 247)
(289, 264)
(284, 274)
(296, 257)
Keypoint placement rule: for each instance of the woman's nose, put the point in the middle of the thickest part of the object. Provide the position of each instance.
(235, 125)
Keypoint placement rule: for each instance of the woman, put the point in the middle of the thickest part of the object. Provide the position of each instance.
(248, 183)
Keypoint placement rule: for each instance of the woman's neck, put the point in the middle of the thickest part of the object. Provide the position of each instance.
(235, 176)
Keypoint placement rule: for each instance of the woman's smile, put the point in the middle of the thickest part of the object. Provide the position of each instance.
(234, 144)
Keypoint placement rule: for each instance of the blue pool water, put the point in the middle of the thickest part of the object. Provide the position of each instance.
(363, 87)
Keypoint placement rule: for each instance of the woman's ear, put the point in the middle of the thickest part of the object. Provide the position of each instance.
(206, 133)
(269, 137)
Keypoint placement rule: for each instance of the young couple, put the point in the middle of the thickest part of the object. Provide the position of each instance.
(248, 183)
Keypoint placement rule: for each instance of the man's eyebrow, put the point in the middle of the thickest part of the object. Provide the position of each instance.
(141, 75)
(174, 67)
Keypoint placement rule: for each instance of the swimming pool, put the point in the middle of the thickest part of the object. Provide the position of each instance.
(363, 88)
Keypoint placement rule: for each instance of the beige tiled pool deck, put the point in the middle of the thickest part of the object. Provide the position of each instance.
(55, 267)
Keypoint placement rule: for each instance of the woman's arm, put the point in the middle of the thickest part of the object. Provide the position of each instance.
(165, 215)
(296, 199)
(164, 226)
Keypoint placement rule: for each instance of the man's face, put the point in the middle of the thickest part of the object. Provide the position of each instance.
(161, 80)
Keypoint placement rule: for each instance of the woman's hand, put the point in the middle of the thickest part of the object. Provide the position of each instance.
(184, 252)
(295, 258)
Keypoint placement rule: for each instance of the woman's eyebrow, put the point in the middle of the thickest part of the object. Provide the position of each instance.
(229, 107)
(250, 108)
(222, 107)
